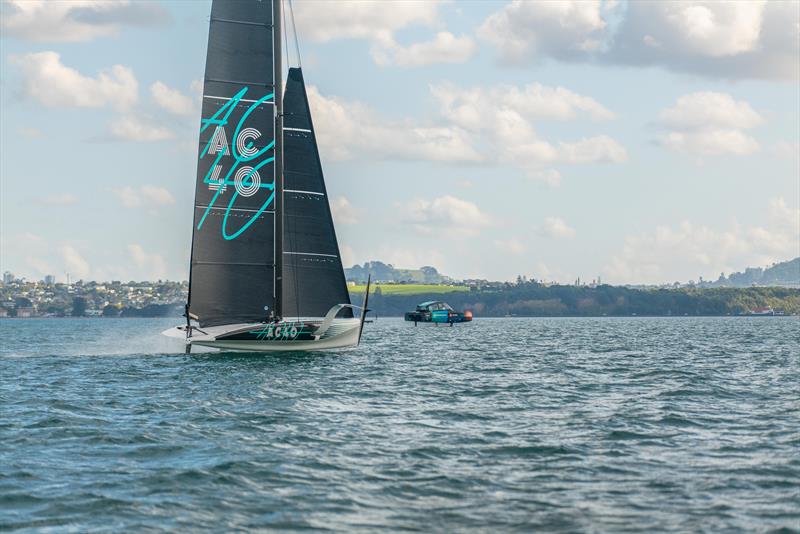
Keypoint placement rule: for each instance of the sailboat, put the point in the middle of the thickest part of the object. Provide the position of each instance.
(265, 272)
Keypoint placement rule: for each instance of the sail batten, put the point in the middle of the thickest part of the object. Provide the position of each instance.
(314, 277)
(233, 264)
(263, 242)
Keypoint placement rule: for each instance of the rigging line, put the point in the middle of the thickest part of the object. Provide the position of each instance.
(294, 30)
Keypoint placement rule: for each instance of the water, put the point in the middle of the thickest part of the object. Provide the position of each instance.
(563, 425)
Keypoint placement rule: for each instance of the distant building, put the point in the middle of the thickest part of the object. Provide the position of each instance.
(50, 280)
(8, 277)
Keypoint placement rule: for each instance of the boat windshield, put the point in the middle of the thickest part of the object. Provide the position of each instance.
(434, 306)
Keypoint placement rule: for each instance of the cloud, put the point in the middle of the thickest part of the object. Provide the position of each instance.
(557, 228)
(74, 263)
(377, 22)
(351, 129)
(523, 32)
(60, 199)
(343, 212)
(597, 149)
(462, 134)
(171, 100)
(727, 39)
(550, 177)
(347, 254)
(76, 20)
(448, 215)
(132, 128)
(444, 48)
(149, 266)
(146, 195)
(47, 80)
(32, 247)
(688, 250)
(510, 135)
(754, 39)
(324, 21)
(469, 107)
(709, 123)
(511, 245)
(408, 258)
(153, 194)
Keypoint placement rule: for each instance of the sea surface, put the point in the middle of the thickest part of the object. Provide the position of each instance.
(502, 425)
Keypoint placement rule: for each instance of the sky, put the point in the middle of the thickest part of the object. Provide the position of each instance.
(646, 142)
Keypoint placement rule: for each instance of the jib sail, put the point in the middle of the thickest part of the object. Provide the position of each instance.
(314, 279)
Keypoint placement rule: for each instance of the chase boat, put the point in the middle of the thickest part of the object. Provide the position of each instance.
(436, 311)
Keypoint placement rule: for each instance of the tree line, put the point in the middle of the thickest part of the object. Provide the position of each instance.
(534, 300)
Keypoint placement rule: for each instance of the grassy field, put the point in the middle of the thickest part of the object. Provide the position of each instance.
(409, 289)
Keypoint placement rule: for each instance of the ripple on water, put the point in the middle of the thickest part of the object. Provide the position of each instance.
(510, 424)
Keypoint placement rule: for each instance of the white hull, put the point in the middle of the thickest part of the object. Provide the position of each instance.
(281, 337)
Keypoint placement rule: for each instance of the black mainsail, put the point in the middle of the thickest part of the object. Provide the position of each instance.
(314, 279)
(233, 263)
(263, 243)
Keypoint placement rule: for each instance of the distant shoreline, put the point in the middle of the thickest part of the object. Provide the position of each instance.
(371, 317)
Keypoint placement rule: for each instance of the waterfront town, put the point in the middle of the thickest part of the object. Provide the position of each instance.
(20, 297)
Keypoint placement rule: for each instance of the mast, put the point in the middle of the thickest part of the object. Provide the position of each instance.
(278, 78)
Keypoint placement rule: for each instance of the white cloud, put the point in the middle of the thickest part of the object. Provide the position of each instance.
(687, 250)
(323, 21)
(511, 245)
(753, 39)
(449, 215)
(132, 128)
(729, 39)
(510, 136)
(444, 48)
(557, 228)
(351, 129)
(523, 32)
(600, 148)
(697, 110)
(343, 212)
(408, 258)
(377, 22)
(146, 195)
(461, 132)
(46, 79)
(347, 254)
(171, 100)
(149, 266)
(153, 194)
(75, 20)
(60, 199)
(709, 123)
(550, 177)
(128, 196)
(470, 107)
(32, 247)
(74, 263)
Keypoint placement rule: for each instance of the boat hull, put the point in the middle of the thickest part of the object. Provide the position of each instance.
(286, 336)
